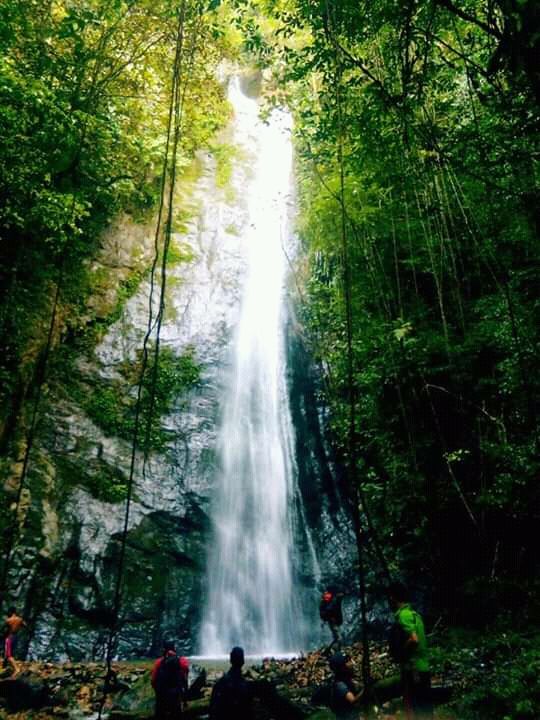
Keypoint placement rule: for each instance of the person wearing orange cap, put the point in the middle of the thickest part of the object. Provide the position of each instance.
(330, 612)
(170, 682)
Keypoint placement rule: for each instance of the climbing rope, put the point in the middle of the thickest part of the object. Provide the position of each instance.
(179, 106)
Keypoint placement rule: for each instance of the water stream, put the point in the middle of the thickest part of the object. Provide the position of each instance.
(253, 599)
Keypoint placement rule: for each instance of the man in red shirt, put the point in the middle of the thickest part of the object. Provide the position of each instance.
(170, 682)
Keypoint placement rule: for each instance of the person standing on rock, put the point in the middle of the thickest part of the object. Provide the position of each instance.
(330, 612)
(170, 682)
(12, 624)
(344, 697)
(408, 647)
(232, 695)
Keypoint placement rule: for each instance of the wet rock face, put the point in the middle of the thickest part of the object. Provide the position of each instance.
(64, 570)
(321, 485)
(80, 470)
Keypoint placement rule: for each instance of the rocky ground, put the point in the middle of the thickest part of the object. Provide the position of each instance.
(75, 690)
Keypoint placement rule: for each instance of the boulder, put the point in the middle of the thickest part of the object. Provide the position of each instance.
(24, 693)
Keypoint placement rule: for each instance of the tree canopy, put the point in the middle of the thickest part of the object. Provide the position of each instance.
(417, 154)
(416, 134)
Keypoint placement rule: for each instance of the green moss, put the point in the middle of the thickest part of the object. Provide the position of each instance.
(103, 487)
(138, 698)
(126, 290)
(190, 174)
(179, 253)
(108, 407)
(224, 154)
(230, 196)
(112, 405)
(232, 229)
(102, 481)
(187, 208)
(81, 338)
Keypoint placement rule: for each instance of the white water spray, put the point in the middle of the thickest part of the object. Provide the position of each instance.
(251, 589)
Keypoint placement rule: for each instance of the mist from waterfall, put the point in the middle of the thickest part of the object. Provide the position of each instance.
(252, 596)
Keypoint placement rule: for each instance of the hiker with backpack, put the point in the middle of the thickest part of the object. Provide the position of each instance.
(232, 695)
(408, 648)
(330, 612)
(170, 682)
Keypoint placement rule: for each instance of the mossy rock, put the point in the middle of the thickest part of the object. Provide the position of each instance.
(321, 714)
(137, 703)
(24, 693)
(100, 479)
(138, 699)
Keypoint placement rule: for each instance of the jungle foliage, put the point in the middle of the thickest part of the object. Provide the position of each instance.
(417, 148)
(84, 98)
(499, 672)
(417, 164)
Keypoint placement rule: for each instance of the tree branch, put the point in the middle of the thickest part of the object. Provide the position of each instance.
(359, 63)
(466, 60)
(489, 29)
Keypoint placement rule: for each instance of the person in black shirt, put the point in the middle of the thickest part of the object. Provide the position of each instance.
(232, 695)
(344, 696)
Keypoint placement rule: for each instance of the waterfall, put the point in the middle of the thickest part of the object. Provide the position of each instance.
(253, 600)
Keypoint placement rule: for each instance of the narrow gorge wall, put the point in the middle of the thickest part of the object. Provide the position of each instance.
(72, 513)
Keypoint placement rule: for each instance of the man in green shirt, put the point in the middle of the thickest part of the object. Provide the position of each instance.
(409, 648)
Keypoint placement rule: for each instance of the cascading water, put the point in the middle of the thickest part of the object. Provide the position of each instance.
(252, 597)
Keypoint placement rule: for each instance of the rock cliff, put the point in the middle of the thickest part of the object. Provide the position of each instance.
(72, 513)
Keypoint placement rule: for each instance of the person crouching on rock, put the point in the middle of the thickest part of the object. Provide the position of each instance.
(170, 682)
(344, 697)
(12, 624)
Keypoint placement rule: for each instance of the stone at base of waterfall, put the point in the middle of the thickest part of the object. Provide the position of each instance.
(24, 693)
(139, 698)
